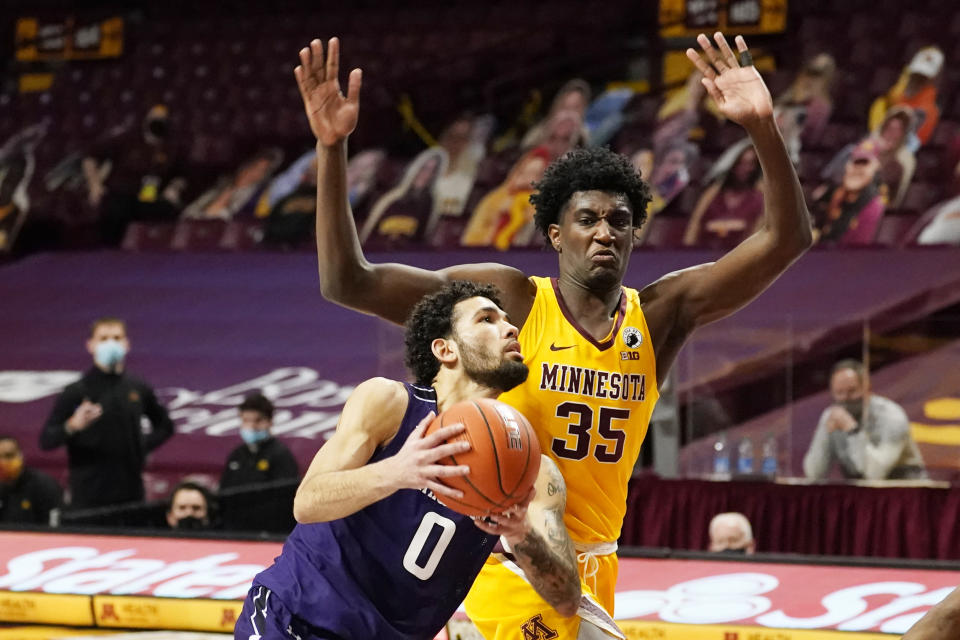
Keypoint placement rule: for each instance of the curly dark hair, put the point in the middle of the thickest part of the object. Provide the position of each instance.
(595, 168)
(432, 318)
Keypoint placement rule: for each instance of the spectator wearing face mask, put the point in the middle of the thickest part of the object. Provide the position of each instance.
(190, 507)
(731, 533)
(98, 418)
(261, 458)
(866, 434)
(26, 495)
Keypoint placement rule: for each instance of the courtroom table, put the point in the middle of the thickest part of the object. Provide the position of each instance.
(901, 519)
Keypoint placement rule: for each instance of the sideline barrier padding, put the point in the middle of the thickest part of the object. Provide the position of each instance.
(120, 612)
(669, 631)
(53, 633)
(128, 612)
(192, 584)
(46, 608)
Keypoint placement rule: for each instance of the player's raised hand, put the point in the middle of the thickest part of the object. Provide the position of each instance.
(417, 464)
(731, 80)
(332, 115)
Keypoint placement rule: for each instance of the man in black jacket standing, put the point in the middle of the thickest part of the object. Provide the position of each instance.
(261, 458)
(99, 418)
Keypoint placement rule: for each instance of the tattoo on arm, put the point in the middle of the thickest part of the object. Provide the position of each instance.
(549, 559)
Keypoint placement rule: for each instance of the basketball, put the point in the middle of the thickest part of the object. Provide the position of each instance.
(504, 457)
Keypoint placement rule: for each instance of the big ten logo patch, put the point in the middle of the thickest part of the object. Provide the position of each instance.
(513, 437)
(629, 355)
(632, 337)
(535, 629)
(511, 427)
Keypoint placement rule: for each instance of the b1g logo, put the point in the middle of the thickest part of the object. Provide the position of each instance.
(511, 427)
(513, 437)
(632, 338)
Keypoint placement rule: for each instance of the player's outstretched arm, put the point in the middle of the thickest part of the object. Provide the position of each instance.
(709, 292)
(339, 481)
(539, 540)
(942, 622)
(346, 277)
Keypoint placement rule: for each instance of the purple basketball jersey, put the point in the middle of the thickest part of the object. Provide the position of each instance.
(396, 569)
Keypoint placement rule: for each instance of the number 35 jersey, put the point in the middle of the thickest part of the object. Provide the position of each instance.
(590, 403)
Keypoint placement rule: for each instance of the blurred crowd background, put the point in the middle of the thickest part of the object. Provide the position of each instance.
(189, 113)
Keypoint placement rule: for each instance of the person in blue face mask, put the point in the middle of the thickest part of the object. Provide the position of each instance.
(261, 458)
(99, 418)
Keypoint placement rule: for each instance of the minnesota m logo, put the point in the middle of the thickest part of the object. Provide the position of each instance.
(535, 629)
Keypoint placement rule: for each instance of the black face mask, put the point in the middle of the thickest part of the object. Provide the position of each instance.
(158, 127)
(192, 523)
(854, 408)
(741, 552)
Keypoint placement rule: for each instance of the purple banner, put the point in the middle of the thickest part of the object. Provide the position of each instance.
(205, 329)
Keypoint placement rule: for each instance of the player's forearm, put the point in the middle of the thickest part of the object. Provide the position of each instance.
(338, 494)
(816, 462)
(785, 212)
(940, 623)
(341, 261)
(881, 459)
(850, 451)
(545, 551)
(552, 570)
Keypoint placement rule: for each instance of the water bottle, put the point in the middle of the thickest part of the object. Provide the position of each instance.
(768, 466)
(745, 456)
(721, 456)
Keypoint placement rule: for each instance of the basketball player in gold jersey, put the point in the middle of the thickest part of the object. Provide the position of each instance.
(596, 349)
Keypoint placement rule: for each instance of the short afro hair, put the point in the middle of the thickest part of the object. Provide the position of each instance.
(432, 318)
(590, 169)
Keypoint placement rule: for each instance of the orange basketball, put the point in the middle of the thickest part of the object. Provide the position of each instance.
(504, 457)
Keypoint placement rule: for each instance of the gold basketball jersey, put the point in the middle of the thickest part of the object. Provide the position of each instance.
(590, 403)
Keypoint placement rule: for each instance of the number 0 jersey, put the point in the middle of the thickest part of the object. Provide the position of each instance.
(589, 402)
(395, 570)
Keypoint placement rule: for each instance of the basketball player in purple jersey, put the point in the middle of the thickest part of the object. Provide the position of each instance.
(375, 555)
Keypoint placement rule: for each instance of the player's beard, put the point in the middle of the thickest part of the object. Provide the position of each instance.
(502, 376)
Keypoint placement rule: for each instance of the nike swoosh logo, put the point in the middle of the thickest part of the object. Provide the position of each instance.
(554, 347)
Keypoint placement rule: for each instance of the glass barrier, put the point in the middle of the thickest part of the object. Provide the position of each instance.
(750, 404)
